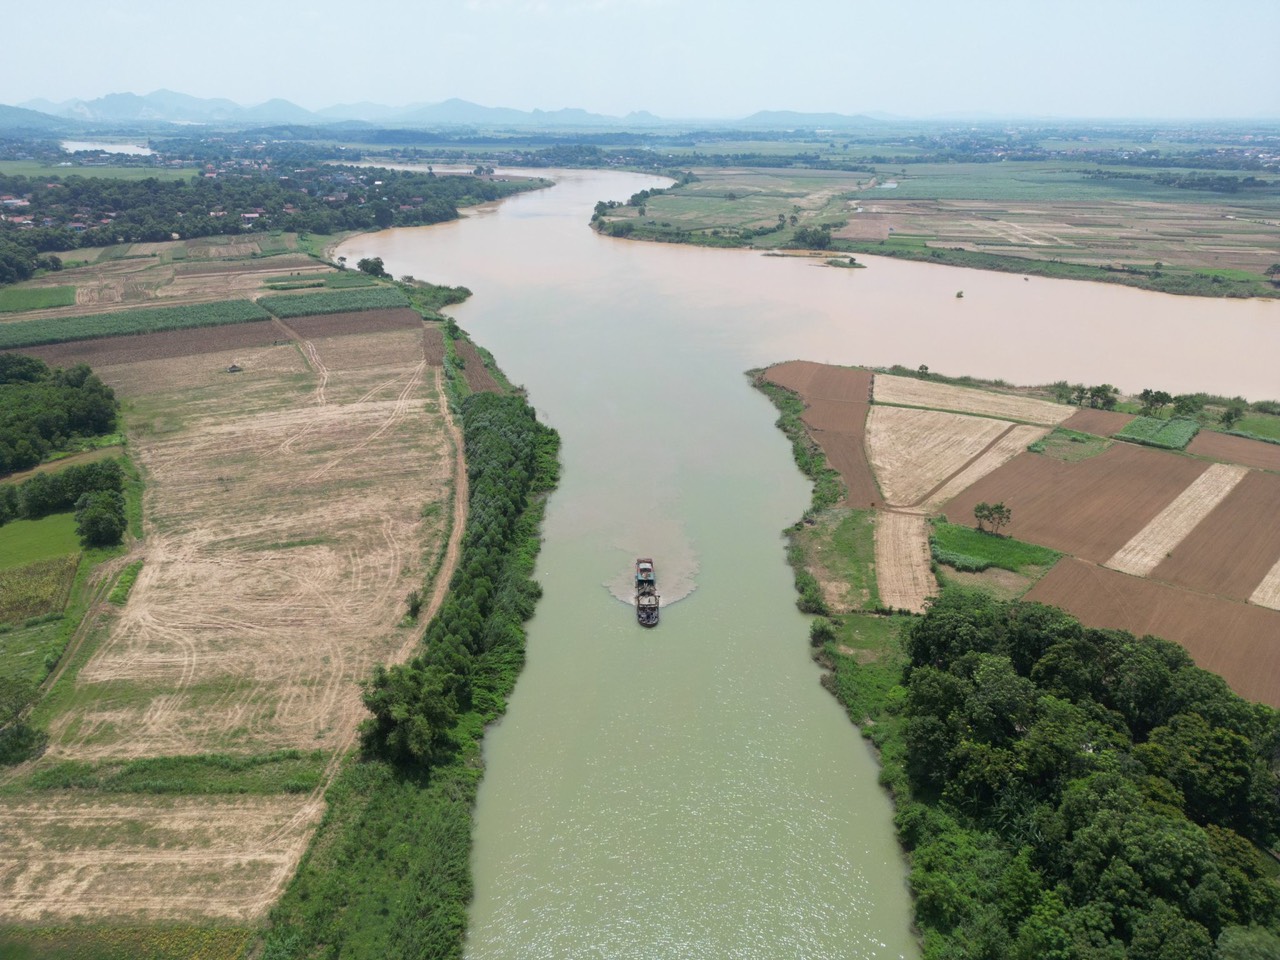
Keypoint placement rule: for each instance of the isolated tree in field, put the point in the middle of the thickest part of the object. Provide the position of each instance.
(100, 520)
(1153, 401)
(996, 514)
(372, 266)
(1273, 270)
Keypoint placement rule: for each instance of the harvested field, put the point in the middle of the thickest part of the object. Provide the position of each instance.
(88, 855)
(277, 562)
(914, 451)
(1170, 526)
(112, 351)
(1090, 508)
(1005, 448)
(1236, 640)
(823, 380)
(1221, 446)
(903, 566)
(479, 379)
(364, 321)
(835, 416)
(1101, 423)
(1235, 546)
(910, 392)
(1268, 592)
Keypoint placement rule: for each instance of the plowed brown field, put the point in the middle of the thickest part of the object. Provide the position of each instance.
(1001, 451)
(1220, 446)
(914, 451)
(110, 351)
(1237, 640)
(1102, 423)
(1090, 508)
(362, 321)
(835, 417)
(1159, 538)
(1235, 546)
(479, 379)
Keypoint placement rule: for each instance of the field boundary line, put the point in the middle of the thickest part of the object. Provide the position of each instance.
(1150, 545)
(964, 466)
(1016, 421)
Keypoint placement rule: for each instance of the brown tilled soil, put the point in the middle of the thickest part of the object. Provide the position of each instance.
(361, 321)
(1236, 640)
(110, 351)
(1220, 446)
(1102, 423)
(479, 379)
(1235, 546)
(913, 452)
(433, 344)
(1090, 508)
(836, 400)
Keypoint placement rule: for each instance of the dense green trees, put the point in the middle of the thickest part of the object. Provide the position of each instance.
(1072, 792)
(41, 410)
(53, 492)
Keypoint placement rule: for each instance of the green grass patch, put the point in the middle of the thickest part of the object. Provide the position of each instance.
(840, 547)
(339, 301)
(348, 279)
(865, 662)
(965, 548)
(36, 589)
(1154, 432)
(15, 299)
(1259, 428)
(25, 541)
(29, 333)
(281, 771)
(155, 942)
(47, 171)
(1070, 445)
(120, 592)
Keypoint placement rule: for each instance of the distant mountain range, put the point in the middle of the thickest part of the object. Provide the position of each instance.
(166, 106)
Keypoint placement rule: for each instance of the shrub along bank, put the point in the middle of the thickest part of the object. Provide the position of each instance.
(388, 874)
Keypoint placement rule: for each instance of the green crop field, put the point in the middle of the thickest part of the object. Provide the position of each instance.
(29, 333)
(15, 299)
(339, 301)
(36, 589)
(1070, 445)
(34, 168)
(965, 548)
(1154, 432)
(23, 541)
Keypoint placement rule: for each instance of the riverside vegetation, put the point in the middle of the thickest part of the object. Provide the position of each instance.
(1061, 792)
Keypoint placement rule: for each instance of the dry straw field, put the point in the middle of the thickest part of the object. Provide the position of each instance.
(290, 508)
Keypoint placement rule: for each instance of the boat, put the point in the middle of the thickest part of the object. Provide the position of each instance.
(646, 593)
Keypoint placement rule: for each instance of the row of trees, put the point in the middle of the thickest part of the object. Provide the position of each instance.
(44, 410)
(1077, 793)
(60, 490)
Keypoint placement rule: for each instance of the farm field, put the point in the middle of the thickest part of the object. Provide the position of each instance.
(914, 392)
(1166, 531)
(1234, 546)
(836, 401)
(902, 561)
(1222, 446)
(915, 451)
(15, 299)
(277, 563)
(1101, 423)
(1005, 447)
(1236, 640)
(1089, 509)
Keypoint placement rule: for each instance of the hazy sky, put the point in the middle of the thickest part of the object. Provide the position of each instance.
(675, 58)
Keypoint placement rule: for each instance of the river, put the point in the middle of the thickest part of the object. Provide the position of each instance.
(691, 791)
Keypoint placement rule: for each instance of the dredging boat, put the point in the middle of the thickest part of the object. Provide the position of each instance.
(646, 593)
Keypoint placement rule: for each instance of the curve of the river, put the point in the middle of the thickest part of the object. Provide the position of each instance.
(691, 791)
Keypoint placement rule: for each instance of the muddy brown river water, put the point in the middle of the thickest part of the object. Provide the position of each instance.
(691, 791)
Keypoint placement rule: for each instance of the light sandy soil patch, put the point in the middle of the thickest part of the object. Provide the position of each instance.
(1268, 592)
(913, 451)
(903, 574)
(910, 392)
(1233, 639)
(278, 558)
(85, 856)
(1232, 550)
(1005, 448)
(1170, 526)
